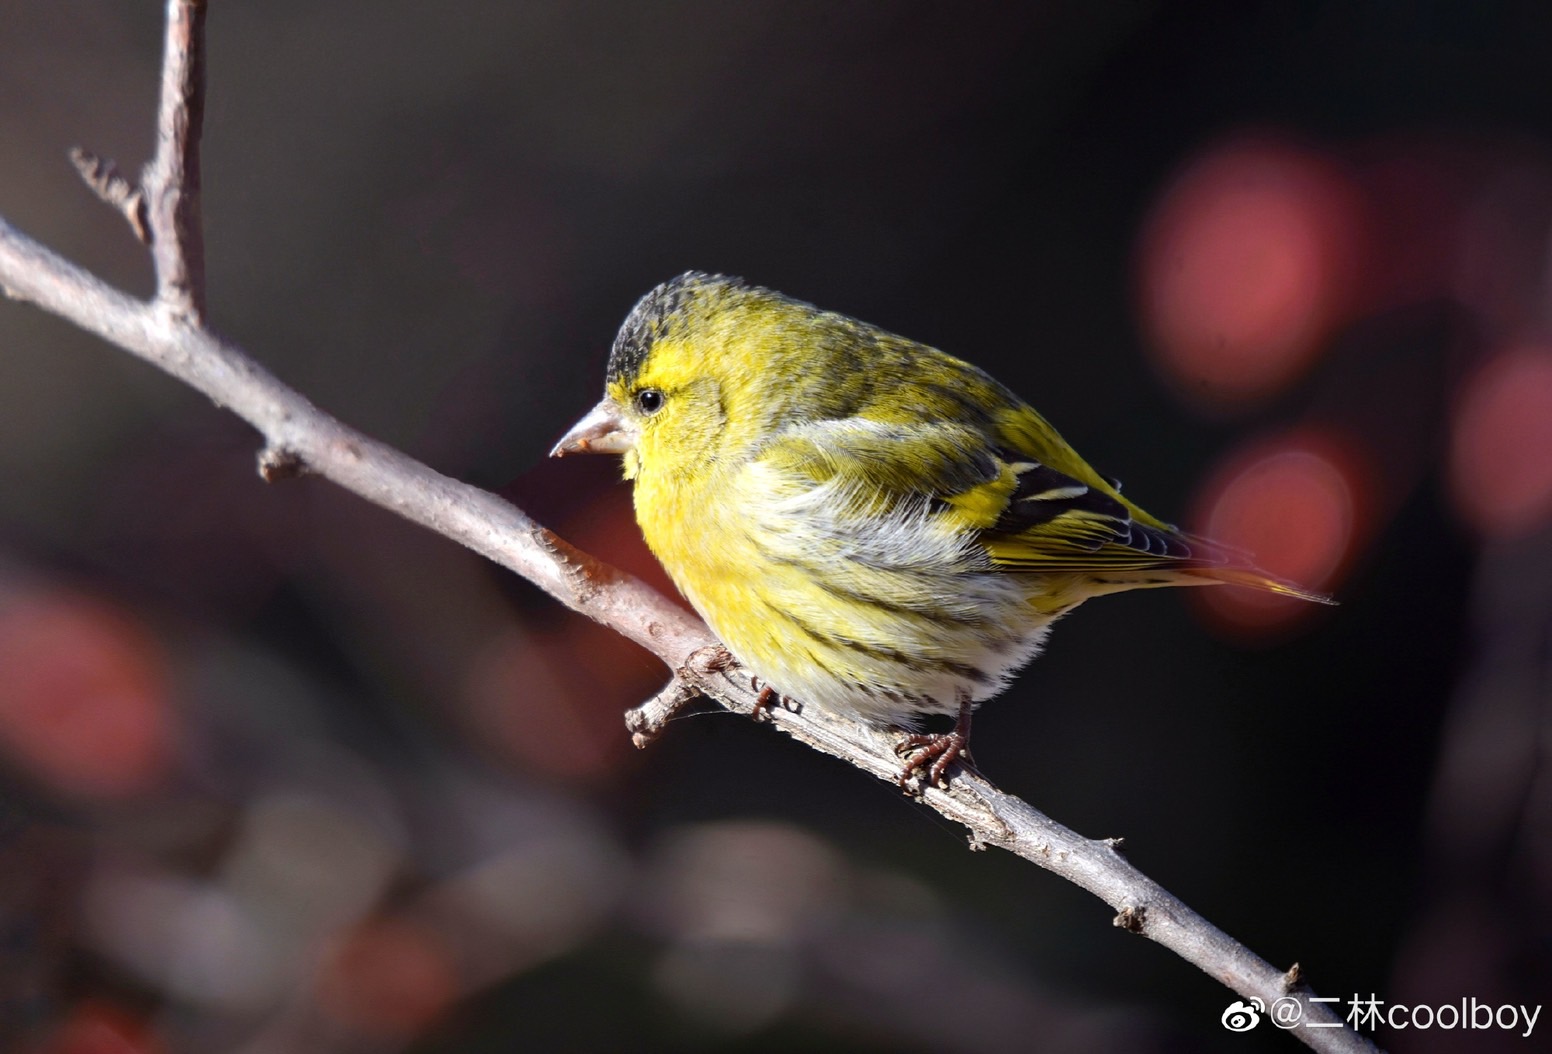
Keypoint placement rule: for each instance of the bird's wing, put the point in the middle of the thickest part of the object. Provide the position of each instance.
(1025, 515)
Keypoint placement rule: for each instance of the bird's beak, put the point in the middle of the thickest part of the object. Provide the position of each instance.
(602, 431)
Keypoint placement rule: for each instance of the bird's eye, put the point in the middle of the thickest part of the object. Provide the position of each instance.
(649, 400)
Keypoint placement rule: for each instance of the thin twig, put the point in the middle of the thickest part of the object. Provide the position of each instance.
(171, 182)
(168, 333)
(114, 188)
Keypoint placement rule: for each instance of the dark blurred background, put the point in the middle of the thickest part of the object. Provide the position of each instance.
(279, 772)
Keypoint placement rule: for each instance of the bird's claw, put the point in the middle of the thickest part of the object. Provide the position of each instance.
(930, 753)
(764, 700)
(768, 699)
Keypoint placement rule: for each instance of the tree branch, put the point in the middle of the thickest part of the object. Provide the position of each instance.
(168, 333)
(171, 182)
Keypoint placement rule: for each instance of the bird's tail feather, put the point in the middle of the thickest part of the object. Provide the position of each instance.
(1254, 578)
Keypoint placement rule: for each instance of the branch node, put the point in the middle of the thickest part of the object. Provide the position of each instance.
(1131, 919)
(278, 463)
(1294, 978)
(113, 188)
(712, 659)
(715, 660)
(1117, 845)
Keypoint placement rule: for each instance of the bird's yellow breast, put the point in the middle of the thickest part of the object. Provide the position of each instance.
(880, 615)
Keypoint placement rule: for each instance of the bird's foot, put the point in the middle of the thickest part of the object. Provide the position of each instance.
(717, 659)
(767, 698)
(931, 753)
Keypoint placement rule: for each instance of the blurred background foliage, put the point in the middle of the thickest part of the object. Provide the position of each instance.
(281, 773)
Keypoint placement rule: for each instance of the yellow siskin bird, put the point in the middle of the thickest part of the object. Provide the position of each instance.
(870, 525)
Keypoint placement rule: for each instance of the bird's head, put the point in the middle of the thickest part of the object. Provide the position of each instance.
(697, 373)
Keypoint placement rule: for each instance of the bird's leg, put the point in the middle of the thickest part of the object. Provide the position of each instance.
(934, 752)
